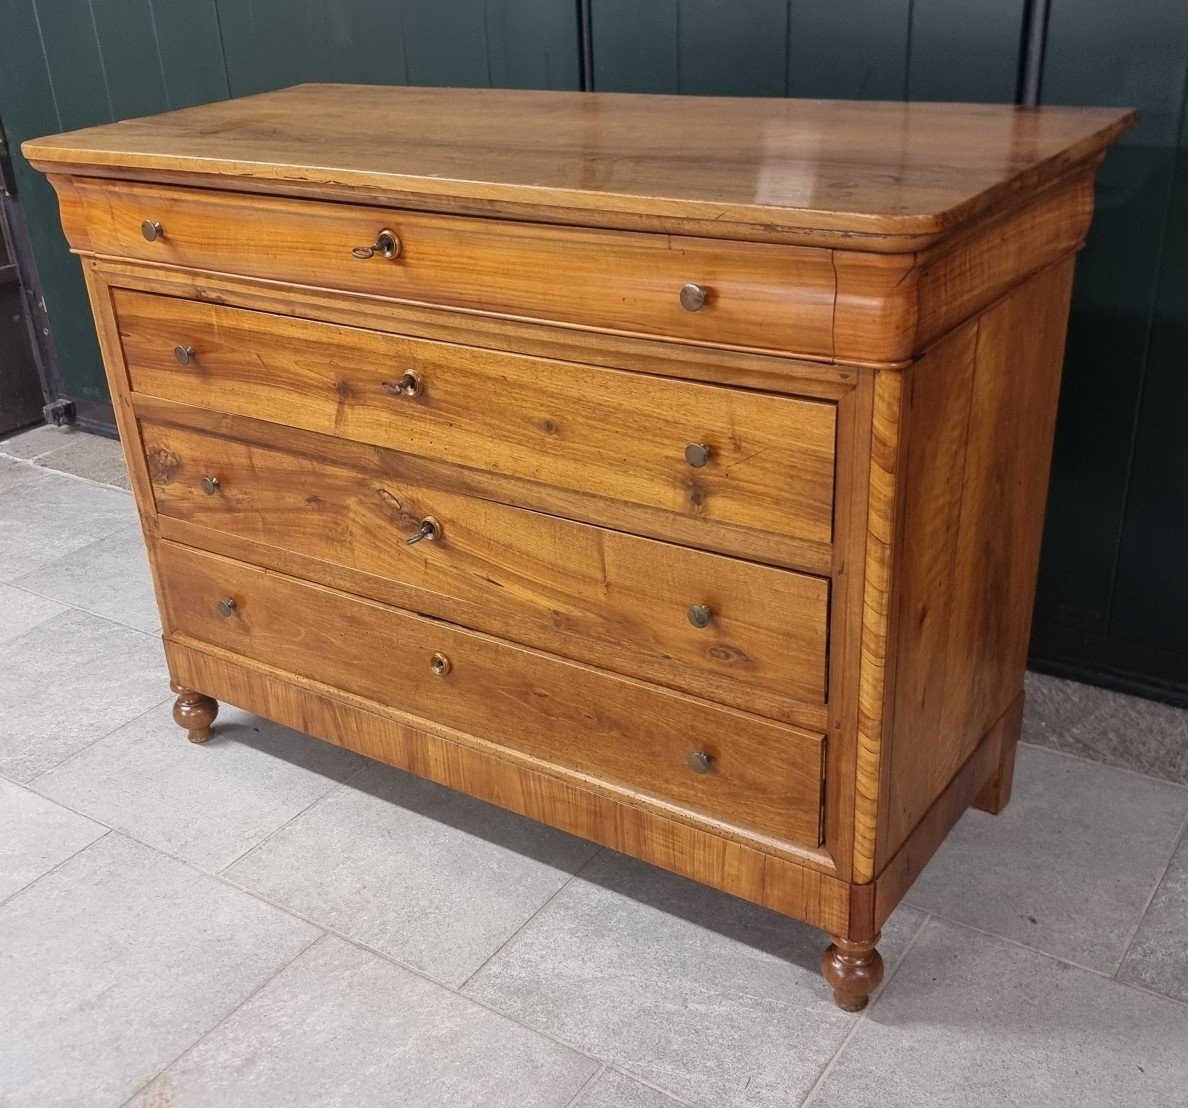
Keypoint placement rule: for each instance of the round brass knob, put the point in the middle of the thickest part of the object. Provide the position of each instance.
(697, 454)
(440, 664)
(700, 615)
(700, 761)
(430, 529)
(185, 355)
(693, 297)
(152, 230)
(387, 245)
(210, 485)
(411, 384)
(226, 606)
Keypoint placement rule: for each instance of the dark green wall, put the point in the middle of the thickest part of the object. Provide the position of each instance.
(1116, 543)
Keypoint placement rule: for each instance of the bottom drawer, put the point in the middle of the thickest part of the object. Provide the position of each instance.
(761, 777)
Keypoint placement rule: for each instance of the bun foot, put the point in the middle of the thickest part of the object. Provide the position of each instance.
(854, 970)
(195, 712)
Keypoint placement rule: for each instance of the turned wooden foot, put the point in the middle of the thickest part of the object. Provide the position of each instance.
(195, 712)
(854, 970)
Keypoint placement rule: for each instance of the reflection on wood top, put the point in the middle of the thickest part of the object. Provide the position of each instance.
(874, 175)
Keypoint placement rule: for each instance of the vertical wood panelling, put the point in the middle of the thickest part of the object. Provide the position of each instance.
(635, 45)
(1138, 59)
(965, 51)
(533, 44)
(28, 105)
(191, 51)
(1150, 603)
(850, 51)
(365, 42)
(131, 59)
(733, 47)
(445, 43)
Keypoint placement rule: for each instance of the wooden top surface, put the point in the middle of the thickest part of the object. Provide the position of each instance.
(893, 175)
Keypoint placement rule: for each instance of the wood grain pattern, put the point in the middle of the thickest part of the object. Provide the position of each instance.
(587, 593)
(794, 885)
(636, 738)
(620, 435)
(604, 511)
(761, 295)
(864, 534)
(768, 372)
(875, 661)
(894, 175)
(968, 577)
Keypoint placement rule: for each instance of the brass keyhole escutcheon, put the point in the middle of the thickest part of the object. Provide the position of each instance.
(152, 230)
(693, 297)
(700, 761)
(387, 245)
(697, 454)
(440, 664)
(430, 529)
(210, 485)
(700, 615)
(184, 355)
(411, 384)
(227, 606)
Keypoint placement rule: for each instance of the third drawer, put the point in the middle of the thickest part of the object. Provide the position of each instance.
(734, 631)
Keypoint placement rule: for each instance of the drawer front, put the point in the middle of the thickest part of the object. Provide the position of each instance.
(770, 464)
(629, 604)
(759, 295)
(762, 777)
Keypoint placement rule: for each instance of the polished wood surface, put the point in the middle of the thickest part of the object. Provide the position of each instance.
(898, 174)
(770, 464)
(633, 737)
(584, 592)
(873, 378)
(758, 295)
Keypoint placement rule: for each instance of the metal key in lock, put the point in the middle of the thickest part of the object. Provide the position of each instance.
(430, 529)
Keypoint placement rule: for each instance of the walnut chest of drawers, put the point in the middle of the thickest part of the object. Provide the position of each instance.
(670, 471)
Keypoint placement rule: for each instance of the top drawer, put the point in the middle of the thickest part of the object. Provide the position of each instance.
(758, 295)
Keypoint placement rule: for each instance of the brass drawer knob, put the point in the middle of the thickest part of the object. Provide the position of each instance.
(411, 384)
(430, 529)
(693, 297)
(226, 606)
(152, 230)
(700, 761)
(185, 355)
(440, 664)
(211, 485)
(387, 245)
(700, 615)
(697, 454)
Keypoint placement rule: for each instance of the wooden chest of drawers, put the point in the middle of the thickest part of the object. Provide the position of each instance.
(669, 471)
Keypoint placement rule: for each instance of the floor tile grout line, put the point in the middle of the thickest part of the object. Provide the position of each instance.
(1101, 974)
(59, 865)
(549, 900)
(415, 970)
(224, 1018)
(598, 1072)
(1183, 786)
(312, 804)
(831, 1065)
(83, 749)
(1150, 900)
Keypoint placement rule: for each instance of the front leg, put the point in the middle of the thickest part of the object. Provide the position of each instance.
(194, 711)
(854, 969)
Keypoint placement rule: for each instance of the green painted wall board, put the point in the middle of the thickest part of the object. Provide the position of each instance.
(857, 50)
(1137, 59)
(1150, 602)
(965, 51)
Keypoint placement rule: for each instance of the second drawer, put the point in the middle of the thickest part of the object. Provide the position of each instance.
(733, 631)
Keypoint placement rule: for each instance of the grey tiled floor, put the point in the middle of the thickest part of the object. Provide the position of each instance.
(269, 920)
